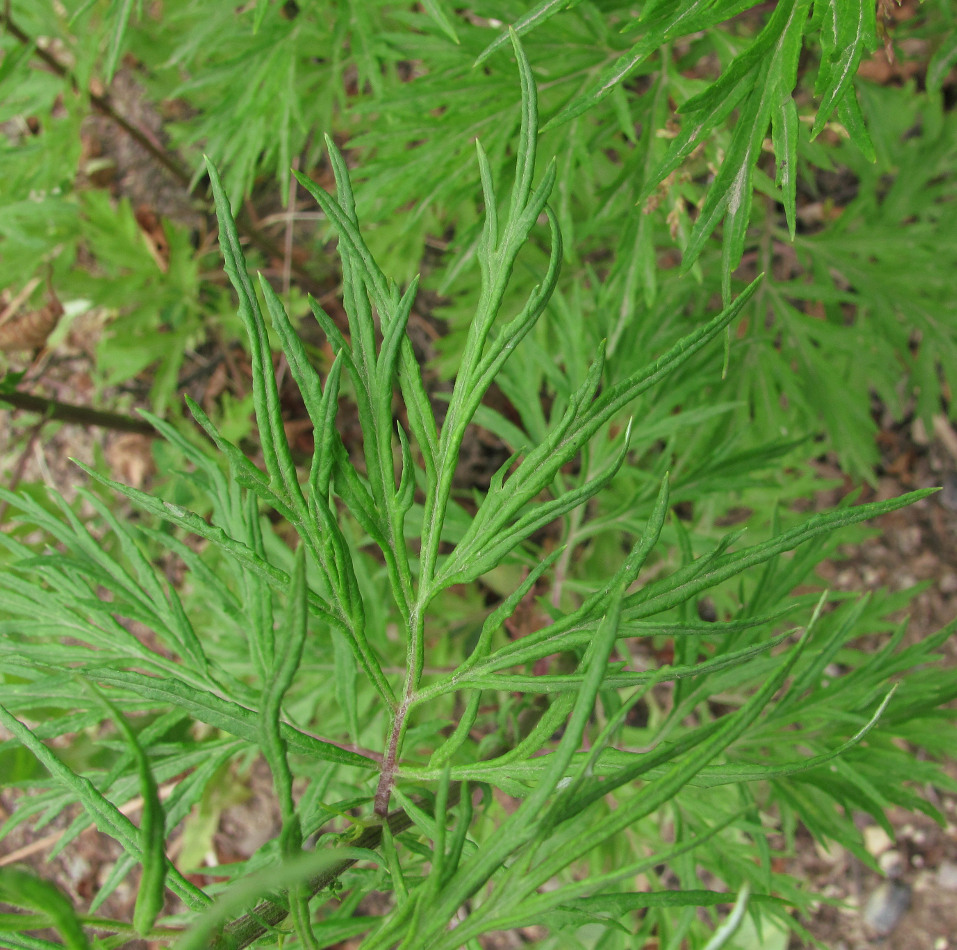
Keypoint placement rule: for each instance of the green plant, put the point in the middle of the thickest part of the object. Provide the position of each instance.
(666, 119)
(747, 730)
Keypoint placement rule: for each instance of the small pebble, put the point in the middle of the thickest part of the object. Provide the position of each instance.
(947, 876)
(948, 497)
(876, 840)
(885, 907)
(831, 852)
(948, 583)
(908, 540)
(891, 863)
(918, 432)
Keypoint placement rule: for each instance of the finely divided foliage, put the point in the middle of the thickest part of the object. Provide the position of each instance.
(682, 128)
(566, 772)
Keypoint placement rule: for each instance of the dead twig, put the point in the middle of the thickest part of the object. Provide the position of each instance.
(77, 415)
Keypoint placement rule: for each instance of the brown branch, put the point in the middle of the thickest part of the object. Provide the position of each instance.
(172, 163)
(77, 415)
(101, 103)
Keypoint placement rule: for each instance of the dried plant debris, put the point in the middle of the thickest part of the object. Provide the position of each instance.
(23, 328)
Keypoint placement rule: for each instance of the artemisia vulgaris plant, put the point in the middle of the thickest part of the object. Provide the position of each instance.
(618, 771)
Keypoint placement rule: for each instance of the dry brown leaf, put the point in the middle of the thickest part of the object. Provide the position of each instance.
(130, 457)
(29, 329)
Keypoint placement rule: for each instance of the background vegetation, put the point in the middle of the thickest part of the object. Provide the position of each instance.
(506, 434)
